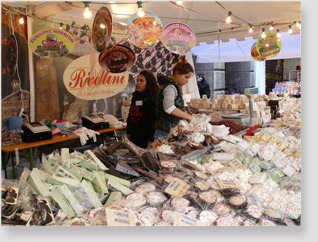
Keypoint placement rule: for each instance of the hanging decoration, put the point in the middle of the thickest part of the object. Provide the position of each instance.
(146, 31)
(178, 38)
(269, 46)
(82, 35)
(11, 55)
(117, 58)
(102, 29)
(255, 54)
(79, 81)
(156, 59)
(52, 43)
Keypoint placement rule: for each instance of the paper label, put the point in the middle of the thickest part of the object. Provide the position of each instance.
(184, 220)
(236, 164)
(224, 169)
(223, 161)
(138, 103)
(119, 218)
(177, 188)
(224, 184)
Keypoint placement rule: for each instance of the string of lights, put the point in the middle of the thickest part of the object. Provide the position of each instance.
(271, 25)
(87, 13)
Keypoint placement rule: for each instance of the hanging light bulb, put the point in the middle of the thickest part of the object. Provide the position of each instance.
(61, 25)
(87, 13)
(140, 11)
(298, 24)
(155, 23)
(251, 29)
(267, 45)
(263, 34)
(180, 3)
(290, 30)
(21, 20)
(271, 28)
(278, 34)
(228, 19)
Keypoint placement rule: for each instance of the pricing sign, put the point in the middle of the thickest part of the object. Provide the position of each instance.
(224, 184)
(184, 220)
(236, 164)
(177, 188)
(119, 218)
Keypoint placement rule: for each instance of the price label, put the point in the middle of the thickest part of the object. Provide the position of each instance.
(224, 169)
(177, 188)
(184, 220)
(119, 218)
(224, 184)
(236, 164)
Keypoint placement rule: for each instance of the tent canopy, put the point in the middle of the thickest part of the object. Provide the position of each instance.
(205, 18)
(235, 50)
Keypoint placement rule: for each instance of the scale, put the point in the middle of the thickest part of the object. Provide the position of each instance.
(37, 127)
(238, 118)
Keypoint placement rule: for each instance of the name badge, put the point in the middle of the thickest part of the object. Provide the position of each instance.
(138, 103)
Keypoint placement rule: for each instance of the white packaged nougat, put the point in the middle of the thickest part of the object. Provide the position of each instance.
(258, 178)
(289, 170)
(227, 147)
(212, 166)
(223, 156)
(266, 154)
(243, 145)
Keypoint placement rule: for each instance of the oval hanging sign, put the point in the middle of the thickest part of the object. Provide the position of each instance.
(103, 84)
(269, 46)
(102, 29)
(254, 53)
(52, 43)
(178, 38)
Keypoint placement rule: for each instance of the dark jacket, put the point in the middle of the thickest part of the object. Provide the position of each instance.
(141, 119)
(166, 121)
(204, 88)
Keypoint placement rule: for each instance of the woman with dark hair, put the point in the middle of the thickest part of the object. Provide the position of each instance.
(170, 102)
(142, 113)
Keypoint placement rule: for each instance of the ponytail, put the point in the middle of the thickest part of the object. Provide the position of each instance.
(182, 67)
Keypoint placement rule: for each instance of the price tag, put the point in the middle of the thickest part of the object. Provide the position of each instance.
(184, 220)
(236, 164)
(177, 188)
(119, 218)
(224, 184)
(224, 169)
(223, 162)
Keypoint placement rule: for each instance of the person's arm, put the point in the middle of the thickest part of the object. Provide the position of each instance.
(180, 114)
(170, 93)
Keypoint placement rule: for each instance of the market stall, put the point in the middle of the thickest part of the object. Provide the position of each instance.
(237, 163)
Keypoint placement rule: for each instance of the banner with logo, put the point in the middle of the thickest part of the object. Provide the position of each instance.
(52, 43)
(79, 82)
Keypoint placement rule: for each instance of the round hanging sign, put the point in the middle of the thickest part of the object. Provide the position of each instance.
(79, 82)
(52, 43)
(117, 58)
(102, 29)
(178, 38)
(146, 31)
(269, 46)
(254, 53)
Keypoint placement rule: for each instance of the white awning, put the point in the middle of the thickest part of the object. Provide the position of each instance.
(234, 50)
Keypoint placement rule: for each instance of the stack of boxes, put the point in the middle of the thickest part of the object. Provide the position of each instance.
(236, 103)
